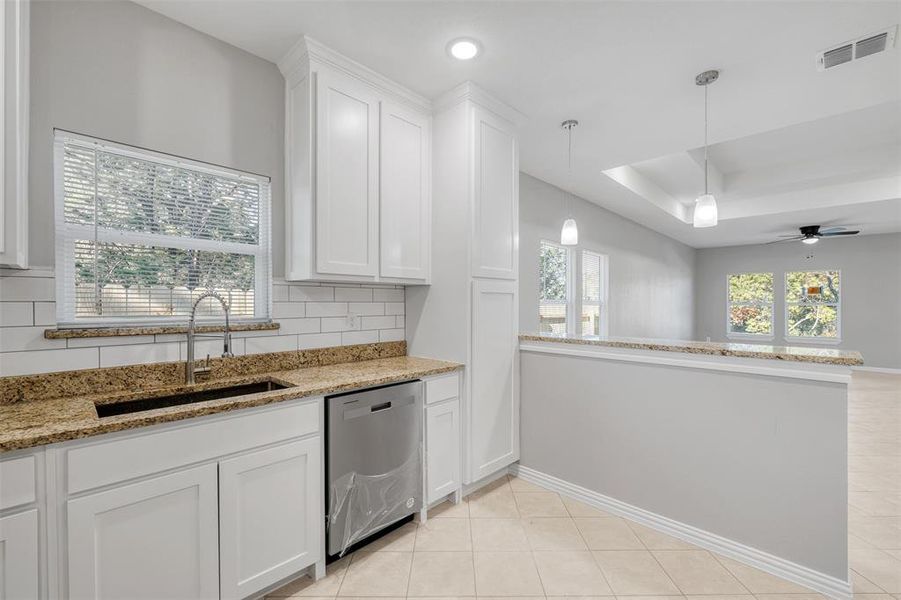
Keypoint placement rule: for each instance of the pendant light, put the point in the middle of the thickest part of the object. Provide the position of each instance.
(569, 235)
(705, 214)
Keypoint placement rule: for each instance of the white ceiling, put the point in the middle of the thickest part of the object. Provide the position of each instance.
(791, 145)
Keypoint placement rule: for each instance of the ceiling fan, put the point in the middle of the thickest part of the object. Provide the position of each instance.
(811, 234)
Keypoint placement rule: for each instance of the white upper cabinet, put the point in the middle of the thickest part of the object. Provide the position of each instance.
(357, 194)
(14, 19)
(495, 197)
(347, 176)
(405, 193)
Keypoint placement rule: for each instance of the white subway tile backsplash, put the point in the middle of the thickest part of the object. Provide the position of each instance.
(339, 324)
(387, 295)
(16, 314)
(290, 326)
(27, 288)
(353, 294)
(310, 315)
(309, 293)
(394, 308)
(47, 361)
(318, 340)
(272, 343)
(115, 356)
(45, 314)
(386, 322)
(391, 335)
(288, 310)
(365, 308)
(280, 293)
(348, 338)
(15, 339)
(326, 309)
(125, 340)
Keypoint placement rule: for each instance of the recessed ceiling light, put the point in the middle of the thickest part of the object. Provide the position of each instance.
(464, 48)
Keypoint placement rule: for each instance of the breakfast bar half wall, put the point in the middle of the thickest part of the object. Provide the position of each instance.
(739, 449)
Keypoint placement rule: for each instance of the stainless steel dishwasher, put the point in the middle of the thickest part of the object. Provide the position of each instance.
(373, 461)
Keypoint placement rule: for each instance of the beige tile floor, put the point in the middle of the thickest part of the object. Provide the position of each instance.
(514, 539)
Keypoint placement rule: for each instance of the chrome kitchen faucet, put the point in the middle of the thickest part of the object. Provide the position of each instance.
(190, 369)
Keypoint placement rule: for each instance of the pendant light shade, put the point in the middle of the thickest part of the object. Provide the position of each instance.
(705, 211)
(569, 235)
(705, 214)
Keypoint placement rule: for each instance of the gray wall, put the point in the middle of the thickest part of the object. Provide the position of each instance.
(733, 454)
(119, 71)
(651, 275)
(871, 289)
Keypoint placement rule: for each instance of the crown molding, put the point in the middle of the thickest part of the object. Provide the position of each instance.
(307, 53)
(477, 95)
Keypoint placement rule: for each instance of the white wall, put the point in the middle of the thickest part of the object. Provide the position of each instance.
(870, 287)
(119, 71)
(651, 276)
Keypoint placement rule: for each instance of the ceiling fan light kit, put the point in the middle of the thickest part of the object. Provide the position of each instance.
(705, 213)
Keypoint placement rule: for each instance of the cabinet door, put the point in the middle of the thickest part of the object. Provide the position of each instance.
(495, 197)
(404, 201)
(494, 401)
(442, 424)
(153, 539)
(19, 556)
(270, 516)
(347, 176)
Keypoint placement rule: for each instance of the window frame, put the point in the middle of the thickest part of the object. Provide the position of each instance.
(766, 337)
(603, 303)
(68, 233)
(838, 310)
(570, 302)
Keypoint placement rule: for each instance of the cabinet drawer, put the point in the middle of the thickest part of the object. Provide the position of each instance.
(105, 462)
(442, 388)
(17, 482)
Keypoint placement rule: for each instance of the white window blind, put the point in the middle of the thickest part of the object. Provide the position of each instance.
(140, 235)
(594, 293)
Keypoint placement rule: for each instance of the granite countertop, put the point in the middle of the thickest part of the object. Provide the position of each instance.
(35, 422)
(825, 356)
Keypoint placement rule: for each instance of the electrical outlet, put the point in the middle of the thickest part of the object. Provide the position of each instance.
(353, 320)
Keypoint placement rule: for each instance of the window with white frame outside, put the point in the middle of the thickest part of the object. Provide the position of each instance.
(555, 288)
(140, 235)
(813, 305)
(750, 311)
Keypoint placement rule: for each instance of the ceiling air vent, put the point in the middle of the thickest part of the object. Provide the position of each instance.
(873, 43)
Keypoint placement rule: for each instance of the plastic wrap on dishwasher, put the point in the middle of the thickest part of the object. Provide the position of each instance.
(363, 504)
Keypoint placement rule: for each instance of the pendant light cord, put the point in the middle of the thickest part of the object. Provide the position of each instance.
(705, 138)
(569, 171)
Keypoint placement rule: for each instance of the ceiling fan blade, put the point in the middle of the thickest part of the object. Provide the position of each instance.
(791, 235)
(791, 239)
(832, 229)
(839, 233)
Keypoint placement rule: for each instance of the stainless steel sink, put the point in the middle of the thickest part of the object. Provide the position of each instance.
(112, 409)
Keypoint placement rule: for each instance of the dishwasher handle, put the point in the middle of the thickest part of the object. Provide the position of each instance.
(355, 412)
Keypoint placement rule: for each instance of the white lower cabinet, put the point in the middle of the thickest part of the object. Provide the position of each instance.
(219, 507)
(442, 449)
(270, 515)
(154, 539)
(19, 556)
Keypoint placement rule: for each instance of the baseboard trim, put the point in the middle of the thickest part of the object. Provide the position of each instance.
(887, 370)
(816, 581)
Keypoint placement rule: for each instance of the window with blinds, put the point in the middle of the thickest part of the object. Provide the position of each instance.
(141, 235)
(594, 293)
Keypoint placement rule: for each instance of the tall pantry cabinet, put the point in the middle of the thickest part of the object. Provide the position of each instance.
(470, 312)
